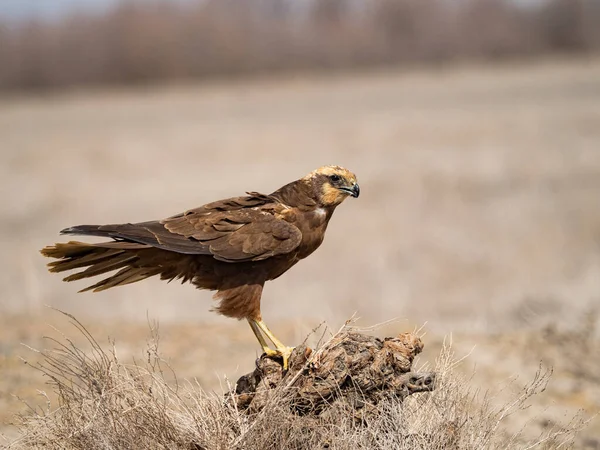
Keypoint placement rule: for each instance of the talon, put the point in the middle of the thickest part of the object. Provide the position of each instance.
(270, 353)
(284, 353)
(281, 350)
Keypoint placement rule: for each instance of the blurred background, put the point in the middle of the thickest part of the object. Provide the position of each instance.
(473, 127)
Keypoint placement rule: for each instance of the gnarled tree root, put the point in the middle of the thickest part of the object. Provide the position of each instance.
(353, 371)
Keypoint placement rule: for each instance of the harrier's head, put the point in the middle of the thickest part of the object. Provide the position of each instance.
(332, 184)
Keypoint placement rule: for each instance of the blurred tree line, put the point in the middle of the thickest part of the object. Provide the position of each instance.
(157, 40)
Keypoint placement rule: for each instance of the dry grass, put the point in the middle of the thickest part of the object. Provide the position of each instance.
(105, 403)
(479, 216)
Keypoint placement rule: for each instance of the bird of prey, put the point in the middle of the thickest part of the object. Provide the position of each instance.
(231, 246)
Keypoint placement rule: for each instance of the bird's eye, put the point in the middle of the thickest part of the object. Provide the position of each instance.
(334, 178)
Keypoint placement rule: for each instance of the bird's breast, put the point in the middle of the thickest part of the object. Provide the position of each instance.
(312, 225)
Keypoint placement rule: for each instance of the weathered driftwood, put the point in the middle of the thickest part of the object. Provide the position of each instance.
(353, 371)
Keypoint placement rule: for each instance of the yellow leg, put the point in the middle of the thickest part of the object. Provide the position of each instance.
(261, 339)
(282, 350)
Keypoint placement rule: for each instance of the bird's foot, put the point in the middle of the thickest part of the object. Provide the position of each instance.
(281, 352)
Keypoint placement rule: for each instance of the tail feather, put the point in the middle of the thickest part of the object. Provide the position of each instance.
(71, 249)
(99, 268)
(124, 276)
(135, 261)
(77, 255)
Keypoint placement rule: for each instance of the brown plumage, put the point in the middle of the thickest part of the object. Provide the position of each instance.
(232, 246)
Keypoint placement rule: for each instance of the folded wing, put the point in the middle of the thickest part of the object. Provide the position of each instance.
(233, 230)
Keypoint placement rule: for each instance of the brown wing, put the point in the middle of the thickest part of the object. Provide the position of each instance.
(242, 235)
(232, 230)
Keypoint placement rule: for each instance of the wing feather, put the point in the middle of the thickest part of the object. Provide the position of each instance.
(240, 235)
(232, 230)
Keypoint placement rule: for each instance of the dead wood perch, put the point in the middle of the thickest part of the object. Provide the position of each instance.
(353, 371)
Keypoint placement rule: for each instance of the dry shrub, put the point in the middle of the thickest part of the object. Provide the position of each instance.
(104, 403)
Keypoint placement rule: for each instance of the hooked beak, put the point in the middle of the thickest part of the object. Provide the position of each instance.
(354, 191)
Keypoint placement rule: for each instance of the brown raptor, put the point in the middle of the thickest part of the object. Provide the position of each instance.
(231, 246)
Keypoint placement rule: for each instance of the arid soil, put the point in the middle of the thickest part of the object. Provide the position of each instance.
(479, 217)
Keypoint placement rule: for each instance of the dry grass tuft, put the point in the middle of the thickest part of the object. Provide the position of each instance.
(105, 403)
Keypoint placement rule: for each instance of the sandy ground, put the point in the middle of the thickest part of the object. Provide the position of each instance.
(478, 214)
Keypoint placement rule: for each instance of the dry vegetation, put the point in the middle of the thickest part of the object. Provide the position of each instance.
(161, 40)
(479, 214)
(104, 402)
